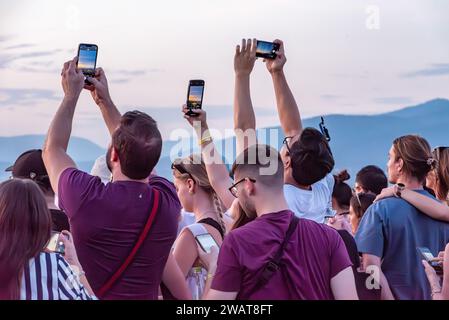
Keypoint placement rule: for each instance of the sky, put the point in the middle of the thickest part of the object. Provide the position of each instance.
(344, 56)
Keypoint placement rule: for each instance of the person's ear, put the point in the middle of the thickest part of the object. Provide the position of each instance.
(249, 186)
(287, 161)
(191, 186)
(400, 165)
(114, 156)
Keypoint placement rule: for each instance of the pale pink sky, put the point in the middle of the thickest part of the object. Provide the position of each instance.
(336, 64)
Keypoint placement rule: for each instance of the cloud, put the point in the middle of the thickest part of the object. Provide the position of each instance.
(22, 96)
(20, 46)
(393, 100)
(6, 60)
(124, 76)
(330, 97)
(434, 70)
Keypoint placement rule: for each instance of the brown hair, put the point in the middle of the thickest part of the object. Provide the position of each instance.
(442, 173)
(195, 168)
(360, 202)
(25, 226)
(416, 154)
(342, 191)
(138, 144)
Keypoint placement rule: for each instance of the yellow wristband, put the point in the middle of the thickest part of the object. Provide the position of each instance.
(205, 139)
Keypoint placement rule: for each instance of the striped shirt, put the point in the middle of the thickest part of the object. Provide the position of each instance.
(49, 277)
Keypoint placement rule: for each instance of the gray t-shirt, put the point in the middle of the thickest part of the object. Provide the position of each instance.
(393, 229)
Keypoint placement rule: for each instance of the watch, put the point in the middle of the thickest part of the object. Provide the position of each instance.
(398, 190)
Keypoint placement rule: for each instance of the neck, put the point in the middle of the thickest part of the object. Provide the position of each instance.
(119, 176)
(288, 179)
(271, 202)
(204, 207)
(410, 183)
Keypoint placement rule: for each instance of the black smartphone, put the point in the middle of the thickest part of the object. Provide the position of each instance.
(54, 244)
(195, 96)
(267, 50)
(206, 242)
(87, 58)
(428, 256)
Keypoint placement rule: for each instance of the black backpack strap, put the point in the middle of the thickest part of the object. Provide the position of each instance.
(273, 265)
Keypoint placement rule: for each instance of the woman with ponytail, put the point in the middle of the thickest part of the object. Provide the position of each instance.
(437, 181)
(196, 195)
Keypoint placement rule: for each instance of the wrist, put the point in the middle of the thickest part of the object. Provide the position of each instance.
(242, 74)
(277, 73)
(106, 103)
(398, 190)
(71, 97)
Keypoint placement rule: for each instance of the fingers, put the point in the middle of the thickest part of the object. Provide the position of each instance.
(253, 47)
(72, 65)
(237, 50)
(281, 45)
(243, 46)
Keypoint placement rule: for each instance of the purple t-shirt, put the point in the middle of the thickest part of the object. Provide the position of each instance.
(314, 255)
(106, 221)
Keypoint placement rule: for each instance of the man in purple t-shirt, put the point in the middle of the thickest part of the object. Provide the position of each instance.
(107, 220)
(314, 265)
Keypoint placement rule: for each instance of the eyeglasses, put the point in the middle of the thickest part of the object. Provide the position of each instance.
(324, 130)
(286, 141)
(233, 188)
(179, 167)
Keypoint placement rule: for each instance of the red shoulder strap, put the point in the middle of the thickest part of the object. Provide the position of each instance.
(105, 288)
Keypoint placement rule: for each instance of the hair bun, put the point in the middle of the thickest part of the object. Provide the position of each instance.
(342, 176)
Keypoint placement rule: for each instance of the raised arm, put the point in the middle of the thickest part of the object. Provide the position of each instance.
(287, 108)
(54, 152)
(216, 170)
(244, 118)
(100, 93)
(428, 206)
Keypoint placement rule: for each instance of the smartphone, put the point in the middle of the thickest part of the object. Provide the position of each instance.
(428, 256)
(87, 58)
(206, 241)
(195, 96)
(54, 244)
(267, 50)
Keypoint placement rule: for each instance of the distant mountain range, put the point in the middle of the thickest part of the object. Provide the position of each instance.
(357, 140)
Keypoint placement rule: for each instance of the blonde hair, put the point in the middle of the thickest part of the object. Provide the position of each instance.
(195, 168)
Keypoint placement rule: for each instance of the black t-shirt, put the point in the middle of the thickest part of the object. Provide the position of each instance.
(360, 277)
(59, 220)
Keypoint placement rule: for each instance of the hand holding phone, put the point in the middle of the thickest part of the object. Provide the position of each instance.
(55, 244)
(195, 94)
(434, 262)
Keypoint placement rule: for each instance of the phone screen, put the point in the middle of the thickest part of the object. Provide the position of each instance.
(195, 97)
(266, 49)
(52, 244)
(87, 58)
(206, 241)
(426, 254)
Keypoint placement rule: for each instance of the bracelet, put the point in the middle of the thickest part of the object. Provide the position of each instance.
(399, 187)
(209, 276)
(205, 139)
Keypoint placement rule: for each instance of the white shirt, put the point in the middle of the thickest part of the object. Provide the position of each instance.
(312, 204)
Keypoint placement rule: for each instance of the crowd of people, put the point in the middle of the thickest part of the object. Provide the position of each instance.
(285, 226)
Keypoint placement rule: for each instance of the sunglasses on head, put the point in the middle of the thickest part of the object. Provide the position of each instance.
(177, 165)
(437, 152)
(324, 130)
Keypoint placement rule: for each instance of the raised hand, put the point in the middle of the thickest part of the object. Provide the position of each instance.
(245, 57)
(201, 118)
(99, 88)
(277, 64)
(72, 80)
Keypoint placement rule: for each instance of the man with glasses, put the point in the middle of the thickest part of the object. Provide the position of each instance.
(306, 155)
(314, 263)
